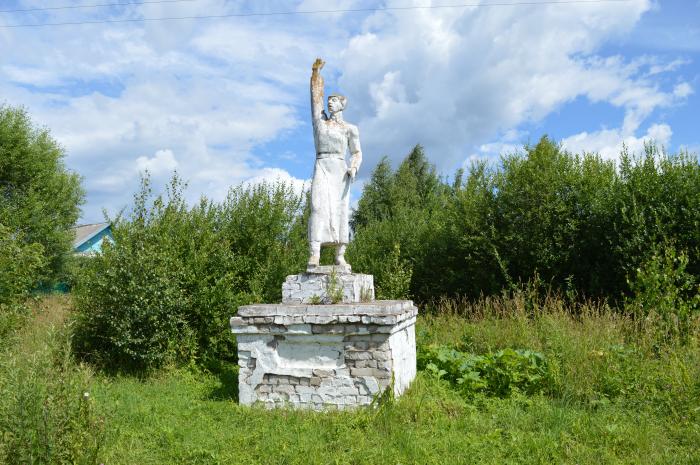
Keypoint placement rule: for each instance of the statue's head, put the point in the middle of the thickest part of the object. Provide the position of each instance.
(336, 103)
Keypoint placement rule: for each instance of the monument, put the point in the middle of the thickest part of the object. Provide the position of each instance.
(329, 344)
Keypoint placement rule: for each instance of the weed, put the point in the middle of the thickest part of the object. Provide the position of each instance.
(334, 289)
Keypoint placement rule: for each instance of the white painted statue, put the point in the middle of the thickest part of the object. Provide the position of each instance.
(330, 186)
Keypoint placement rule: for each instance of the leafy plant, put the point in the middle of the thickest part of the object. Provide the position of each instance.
(665, 297)
(19, 265)
(334, 290)
(47, 414)
(498, 373)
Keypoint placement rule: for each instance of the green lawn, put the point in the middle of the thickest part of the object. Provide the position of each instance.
(610, 402)
(180, 418)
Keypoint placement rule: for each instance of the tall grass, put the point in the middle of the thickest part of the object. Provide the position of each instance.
(596, 354)
(46, 413)
(615, 397)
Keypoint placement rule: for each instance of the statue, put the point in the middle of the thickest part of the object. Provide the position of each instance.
(330, 185)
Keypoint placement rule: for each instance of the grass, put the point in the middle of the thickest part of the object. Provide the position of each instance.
(614, 399)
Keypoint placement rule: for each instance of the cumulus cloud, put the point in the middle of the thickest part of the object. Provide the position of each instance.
(273, 175)
(162, 162)
(609, 142)
(115, 95)
(202, 96)
(452, 79)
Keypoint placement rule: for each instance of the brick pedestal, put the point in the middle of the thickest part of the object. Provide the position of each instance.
(324, 356)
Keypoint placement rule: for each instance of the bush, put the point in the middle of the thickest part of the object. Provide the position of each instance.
(39, 197)
(575, 221)
(665, 297)
(19, 265)
(397, 217)
(165, 290)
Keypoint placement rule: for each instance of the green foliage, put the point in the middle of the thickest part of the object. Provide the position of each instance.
(19, 265)
(608, 401)
(498, 373)
(593, 359)
(47, 415)
(265, 227)
(393, 224)
(334, 290)
(394, 276)
(164, 291)
(665, 297)
(39, 197)
(578, 223)
(657, 201)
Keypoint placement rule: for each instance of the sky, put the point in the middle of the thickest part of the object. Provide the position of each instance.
(225, 100)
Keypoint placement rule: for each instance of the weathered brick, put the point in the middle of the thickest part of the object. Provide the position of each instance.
(358, 355)
(284, 388)
(362, 371)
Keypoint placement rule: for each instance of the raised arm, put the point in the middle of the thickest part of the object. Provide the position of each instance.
(317, 112)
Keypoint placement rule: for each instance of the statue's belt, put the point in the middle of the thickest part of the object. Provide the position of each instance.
(322, 155)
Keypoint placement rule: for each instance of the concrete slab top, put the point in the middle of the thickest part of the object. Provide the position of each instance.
(374, 308)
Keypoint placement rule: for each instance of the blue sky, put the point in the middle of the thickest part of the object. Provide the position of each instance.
(225, 101)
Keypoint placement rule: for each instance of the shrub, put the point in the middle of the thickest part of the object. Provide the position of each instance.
(665, 297)
(19, 265)
(578, 222)
(39, 197)
(165, 290)
(394, 224)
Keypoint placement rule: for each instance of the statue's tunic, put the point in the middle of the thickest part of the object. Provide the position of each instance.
(330, 186)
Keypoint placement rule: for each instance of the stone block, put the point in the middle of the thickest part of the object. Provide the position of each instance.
(331, 360)
(327, 288)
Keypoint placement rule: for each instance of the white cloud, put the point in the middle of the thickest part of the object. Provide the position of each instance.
(213, 91)
(272, 175)
(209, 91)
(608, 142)
(682, 90)
(452, 79)
(161, 163)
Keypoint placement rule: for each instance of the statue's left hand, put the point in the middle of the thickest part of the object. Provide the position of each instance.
(351, 173)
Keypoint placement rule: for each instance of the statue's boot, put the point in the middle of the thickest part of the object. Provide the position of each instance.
(315, 257)
(340, 256)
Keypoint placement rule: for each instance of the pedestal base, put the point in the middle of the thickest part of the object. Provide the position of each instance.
(324, 356)
(327, 288)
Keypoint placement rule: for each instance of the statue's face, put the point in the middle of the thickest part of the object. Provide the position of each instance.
(335, 104)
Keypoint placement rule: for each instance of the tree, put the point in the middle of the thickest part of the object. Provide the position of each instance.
(39, 197)
(395, 222)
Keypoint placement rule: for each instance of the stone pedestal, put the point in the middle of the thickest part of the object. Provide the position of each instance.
(324, 356)
(327, 286)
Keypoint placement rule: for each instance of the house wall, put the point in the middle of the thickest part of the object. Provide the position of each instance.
(94, 245)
